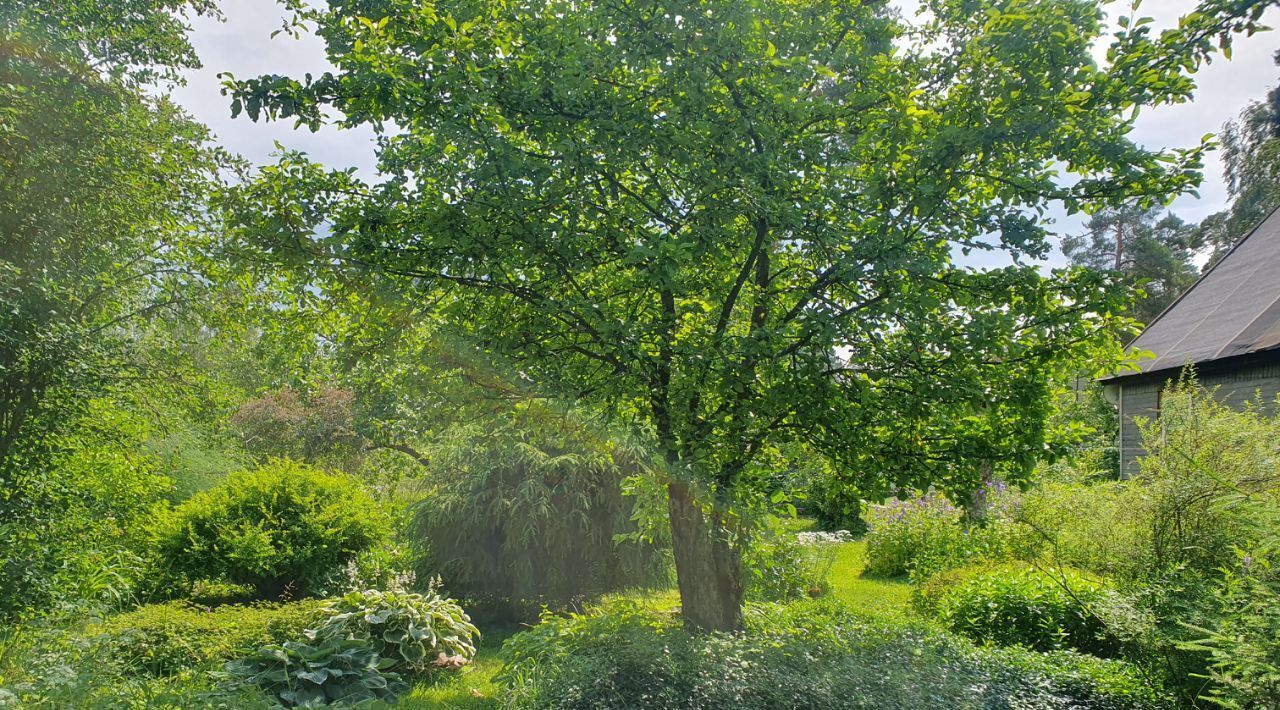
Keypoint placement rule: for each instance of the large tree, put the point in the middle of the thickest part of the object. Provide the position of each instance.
(100, 182)
(734, 223)
(1251, 167)
(1153, 250)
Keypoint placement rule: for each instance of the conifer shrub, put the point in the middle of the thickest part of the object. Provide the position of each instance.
(285, 530)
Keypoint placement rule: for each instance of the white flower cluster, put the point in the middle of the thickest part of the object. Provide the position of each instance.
(818, 537)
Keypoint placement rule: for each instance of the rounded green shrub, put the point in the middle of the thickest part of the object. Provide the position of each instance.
(1017, 604)
(164, 639)
(284, 529)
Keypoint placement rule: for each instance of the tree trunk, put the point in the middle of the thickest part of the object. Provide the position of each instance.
(708, 568)
(977, 509)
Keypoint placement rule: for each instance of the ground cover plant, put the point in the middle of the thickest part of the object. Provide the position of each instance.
(805, 655)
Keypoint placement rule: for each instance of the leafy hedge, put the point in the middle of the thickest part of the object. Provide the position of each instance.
(809, 655)
(163, 639)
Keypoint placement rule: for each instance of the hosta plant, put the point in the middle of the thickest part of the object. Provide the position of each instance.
(322, 670)
(414, 631)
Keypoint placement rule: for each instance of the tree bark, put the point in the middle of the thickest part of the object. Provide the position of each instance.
(708, 566)
(977, 509)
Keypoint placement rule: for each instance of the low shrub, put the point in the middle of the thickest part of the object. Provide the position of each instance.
(778, 567)
(1017, 604)
(164, 639)
(926, 596)
(63, 665)
(809, 655)
(416, 632)
(1207, 488)
(922, 531)
(284, 529)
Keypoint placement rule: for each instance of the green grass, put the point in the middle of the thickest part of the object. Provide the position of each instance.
(473, 686)
(875, 595)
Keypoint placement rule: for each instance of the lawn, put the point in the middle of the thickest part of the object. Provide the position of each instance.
(875, 595)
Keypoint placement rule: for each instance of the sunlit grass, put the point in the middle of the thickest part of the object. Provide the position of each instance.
(875, 595)
(474, 686)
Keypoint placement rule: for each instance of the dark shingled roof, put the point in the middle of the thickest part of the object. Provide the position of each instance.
(1234, 309)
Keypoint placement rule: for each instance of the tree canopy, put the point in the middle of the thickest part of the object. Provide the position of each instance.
(734, 224)
(1251, 167)
(1154, 251)
(101, 184)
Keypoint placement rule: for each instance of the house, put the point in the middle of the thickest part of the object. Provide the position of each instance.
(1227, 325)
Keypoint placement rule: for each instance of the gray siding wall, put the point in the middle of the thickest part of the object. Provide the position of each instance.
(1234, 387)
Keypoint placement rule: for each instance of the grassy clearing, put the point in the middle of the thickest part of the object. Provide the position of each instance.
(876, 595)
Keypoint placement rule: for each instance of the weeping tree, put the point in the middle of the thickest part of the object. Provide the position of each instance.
(528, 510)
(734, 225)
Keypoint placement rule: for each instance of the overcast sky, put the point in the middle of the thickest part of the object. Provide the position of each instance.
(243, 46)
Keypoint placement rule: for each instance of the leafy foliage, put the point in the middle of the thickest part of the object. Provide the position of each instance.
(729, 194)
(925, 534)
(805, 656)
(781, 568)
(410, 629)
(283, 529)
(901, 534)
(356, 653)
(1251, 167)
(1172, 537)
(324, 670)
(317, 429)
(1244, 644)
(1021, 604)
(101, 186)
